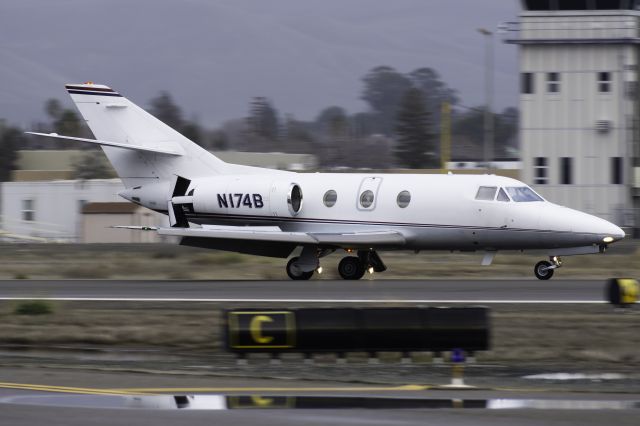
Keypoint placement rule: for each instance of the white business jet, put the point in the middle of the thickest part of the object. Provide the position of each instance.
(216, 205)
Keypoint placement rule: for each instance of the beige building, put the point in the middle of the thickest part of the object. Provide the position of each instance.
(579, 104)
(98, 220)
(42, 165)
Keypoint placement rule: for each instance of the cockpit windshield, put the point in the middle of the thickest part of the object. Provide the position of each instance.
(521, 194)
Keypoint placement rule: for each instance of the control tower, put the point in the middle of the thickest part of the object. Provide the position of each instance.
(580, 104)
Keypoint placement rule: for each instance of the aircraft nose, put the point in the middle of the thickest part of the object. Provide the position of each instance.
(609, 231)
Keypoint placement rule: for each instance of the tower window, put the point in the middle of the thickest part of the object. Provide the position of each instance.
(540, 168)
(616, 170)
(604, 82)
(566, 171)
(553, 82)
(526, 83)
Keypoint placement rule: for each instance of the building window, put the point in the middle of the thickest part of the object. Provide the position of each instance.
(616, 170)
(566, 171)
(28, 211)
(553, 82)
(604, 82)
(526, 83)
(540, 176)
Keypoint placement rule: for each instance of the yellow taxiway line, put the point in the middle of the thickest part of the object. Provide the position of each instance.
(66, 389)
(248, 389)
(405, 388)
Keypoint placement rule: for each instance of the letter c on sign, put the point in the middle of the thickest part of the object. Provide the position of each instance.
(256, 329)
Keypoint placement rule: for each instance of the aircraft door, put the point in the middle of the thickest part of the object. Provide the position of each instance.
(367, 196)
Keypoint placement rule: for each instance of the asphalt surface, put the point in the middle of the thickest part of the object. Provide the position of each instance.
(97, 398)
(480, 291)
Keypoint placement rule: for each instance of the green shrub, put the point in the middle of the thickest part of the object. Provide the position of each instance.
(21, 276)
(34, 307)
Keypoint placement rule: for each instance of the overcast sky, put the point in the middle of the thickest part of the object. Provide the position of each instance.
(214, 55)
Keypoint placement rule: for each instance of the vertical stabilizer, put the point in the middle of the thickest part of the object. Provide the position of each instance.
(112, 117)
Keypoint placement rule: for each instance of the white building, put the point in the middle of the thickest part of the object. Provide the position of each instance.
(579, 104)
(53, 209)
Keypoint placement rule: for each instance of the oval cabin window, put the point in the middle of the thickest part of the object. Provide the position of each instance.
(330, 198)
(404, 198)
(366, 199)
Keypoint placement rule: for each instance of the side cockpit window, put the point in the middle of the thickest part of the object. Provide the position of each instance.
(486, 193)
(502, 196)
(521, 194)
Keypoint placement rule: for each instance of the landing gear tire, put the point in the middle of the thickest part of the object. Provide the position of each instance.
(295, 273)
(543, 270)
(351, 268)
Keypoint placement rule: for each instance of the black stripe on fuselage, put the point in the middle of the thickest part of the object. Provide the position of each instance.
(243, 219)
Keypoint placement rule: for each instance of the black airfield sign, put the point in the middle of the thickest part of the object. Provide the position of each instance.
(358, 329)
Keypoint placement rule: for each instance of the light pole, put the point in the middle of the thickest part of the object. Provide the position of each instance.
(488, 86)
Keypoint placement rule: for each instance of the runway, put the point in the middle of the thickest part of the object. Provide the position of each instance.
(338, 292)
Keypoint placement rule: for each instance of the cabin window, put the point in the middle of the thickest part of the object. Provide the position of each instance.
(502, 196)
(366, 199)
(330, 198)
(486, 193)
(521, 194)
(403, 199)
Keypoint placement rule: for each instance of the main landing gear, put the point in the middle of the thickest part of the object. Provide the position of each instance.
(295, 272)
(544, 269)
(349, 268)
(354, 267)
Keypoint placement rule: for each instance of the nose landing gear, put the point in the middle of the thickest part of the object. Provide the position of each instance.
(544, 269)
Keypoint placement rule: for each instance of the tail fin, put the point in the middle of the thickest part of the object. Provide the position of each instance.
(112, 117)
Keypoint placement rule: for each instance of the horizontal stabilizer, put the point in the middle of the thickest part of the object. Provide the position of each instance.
(137, 228)
(112, 144)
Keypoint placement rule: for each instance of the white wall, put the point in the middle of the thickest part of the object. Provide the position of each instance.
(56, 204)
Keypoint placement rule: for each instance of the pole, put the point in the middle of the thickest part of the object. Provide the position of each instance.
(445, 135)
(488, 113)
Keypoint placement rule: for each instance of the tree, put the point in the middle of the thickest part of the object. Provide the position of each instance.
(384, 88)
(263, 119)
(11, 139)
(166, 110)
(436, 91)
(91, 165)
(65, 121)
(414, 148)
(219, 140)
(192, 131)
(296, 135)
(469, 128)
